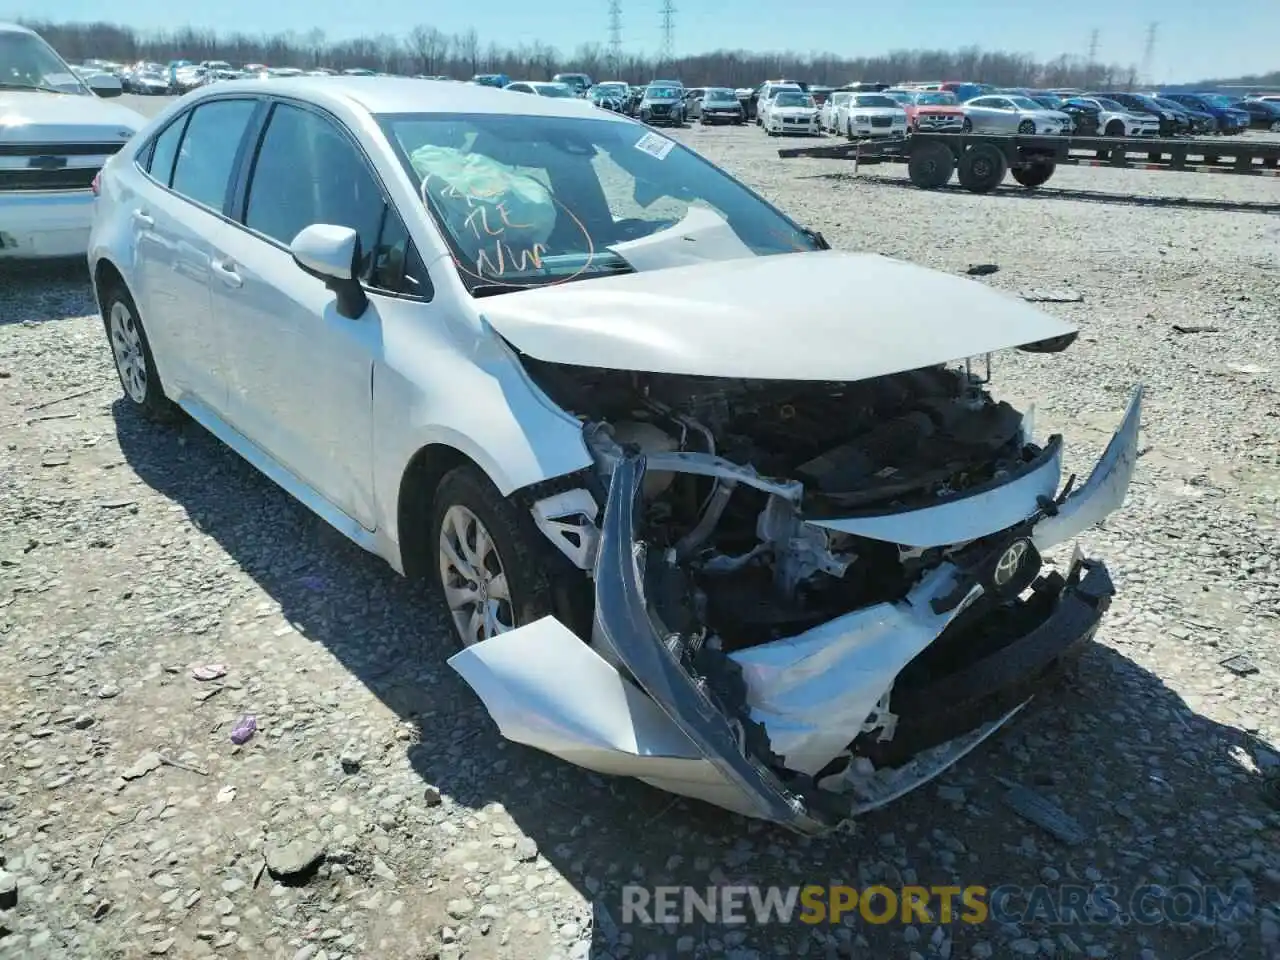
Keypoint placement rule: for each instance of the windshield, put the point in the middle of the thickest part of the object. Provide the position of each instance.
(789, 99)
(532, 200)
(612, 89)
(26, 61)
(1219, 99)
(936, 99)
(1111, 105)
(1048, 101)
(1170, 104)
(874, 100)
(1025, 103)
(554, 89)
(662, 93)
(901, 96)
(720, 96)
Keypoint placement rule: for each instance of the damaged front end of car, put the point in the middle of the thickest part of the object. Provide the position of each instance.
(801, 650)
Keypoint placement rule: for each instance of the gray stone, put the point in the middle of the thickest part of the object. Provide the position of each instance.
(294, 859)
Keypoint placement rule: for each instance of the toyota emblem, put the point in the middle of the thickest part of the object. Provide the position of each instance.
(1009, 562)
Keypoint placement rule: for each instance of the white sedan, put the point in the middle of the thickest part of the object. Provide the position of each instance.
(871, 115)
(790, 112)
(708, 502)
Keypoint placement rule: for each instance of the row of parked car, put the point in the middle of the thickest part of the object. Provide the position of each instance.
(878, 110)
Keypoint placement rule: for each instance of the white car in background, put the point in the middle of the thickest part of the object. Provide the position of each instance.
(790, 112)
(744, 531)
(871, 115)
(767, 91)
(543, 89)
(1117, 120)
(1010, 114)
(56, 132)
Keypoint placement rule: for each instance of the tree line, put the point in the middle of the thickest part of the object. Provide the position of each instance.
(426, 50)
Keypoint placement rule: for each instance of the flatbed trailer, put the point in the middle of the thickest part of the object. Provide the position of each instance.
(981, 161)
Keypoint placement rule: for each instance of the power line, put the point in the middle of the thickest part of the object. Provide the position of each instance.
(1149, 52)
(615, 36)
(1093, 45)
(666, 52)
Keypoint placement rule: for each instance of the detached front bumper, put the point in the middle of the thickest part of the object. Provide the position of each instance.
(761, 731)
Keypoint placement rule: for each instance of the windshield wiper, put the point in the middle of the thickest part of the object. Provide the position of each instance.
(42, 88)
(494, 287)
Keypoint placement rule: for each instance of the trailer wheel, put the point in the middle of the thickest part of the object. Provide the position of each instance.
(1034, 174)
(931, 165)
(982, 167)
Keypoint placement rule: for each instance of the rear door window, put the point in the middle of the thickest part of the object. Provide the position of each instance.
(207, 157)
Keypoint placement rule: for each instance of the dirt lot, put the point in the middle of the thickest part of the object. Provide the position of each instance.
(131, 826)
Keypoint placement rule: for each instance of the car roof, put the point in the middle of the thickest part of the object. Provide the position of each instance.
(379, 95)
(15, 28)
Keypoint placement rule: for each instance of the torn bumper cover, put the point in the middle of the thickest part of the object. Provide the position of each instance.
(782, 731)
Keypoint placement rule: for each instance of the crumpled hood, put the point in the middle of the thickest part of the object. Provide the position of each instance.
(64, 118)
(825, 315)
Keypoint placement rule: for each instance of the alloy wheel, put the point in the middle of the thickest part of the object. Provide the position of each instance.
(475, 582)
(126, 345)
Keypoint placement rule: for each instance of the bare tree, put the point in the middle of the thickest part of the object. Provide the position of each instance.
(427, 50)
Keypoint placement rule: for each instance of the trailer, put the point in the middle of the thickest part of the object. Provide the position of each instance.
(981, 161)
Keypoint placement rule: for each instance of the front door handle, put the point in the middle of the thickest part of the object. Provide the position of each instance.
(144, 219)
(226, 271)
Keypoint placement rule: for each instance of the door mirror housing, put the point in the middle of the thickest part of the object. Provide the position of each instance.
(332, 254)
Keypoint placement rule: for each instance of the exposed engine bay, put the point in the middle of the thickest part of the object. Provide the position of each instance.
(757, 572)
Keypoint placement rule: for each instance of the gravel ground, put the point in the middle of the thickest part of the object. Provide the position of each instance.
(132, 826)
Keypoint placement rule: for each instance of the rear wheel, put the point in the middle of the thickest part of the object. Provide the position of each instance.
(982, 167)
(135, 364)
(966, 125)
(931, 165)
(1035, 174)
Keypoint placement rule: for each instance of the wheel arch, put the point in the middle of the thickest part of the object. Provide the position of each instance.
(415, 500)
(106, 274)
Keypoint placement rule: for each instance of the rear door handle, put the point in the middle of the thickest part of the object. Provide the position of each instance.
(144, 219)
(226, 271)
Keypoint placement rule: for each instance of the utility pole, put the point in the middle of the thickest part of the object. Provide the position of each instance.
(1148, 53)
(615, 37)
(1093, 46)
(666, 52)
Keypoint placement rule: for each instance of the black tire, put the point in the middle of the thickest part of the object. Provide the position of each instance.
(931, 165)
(1027, 127)
(966, 125)
(1115, 129)
(1034, 175)
(523, 559)
(128, 342)
(982, 167)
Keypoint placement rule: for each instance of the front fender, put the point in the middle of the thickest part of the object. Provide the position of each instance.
(464, 389)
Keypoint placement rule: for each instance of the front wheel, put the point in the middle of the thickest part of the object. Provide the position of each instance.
(491, 575)
(135, 364)
(1027, 127)
(1115, 129)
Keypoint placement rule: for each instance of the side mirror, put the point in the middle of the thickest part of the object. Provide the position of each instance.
(332, 254)
(105, 85)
